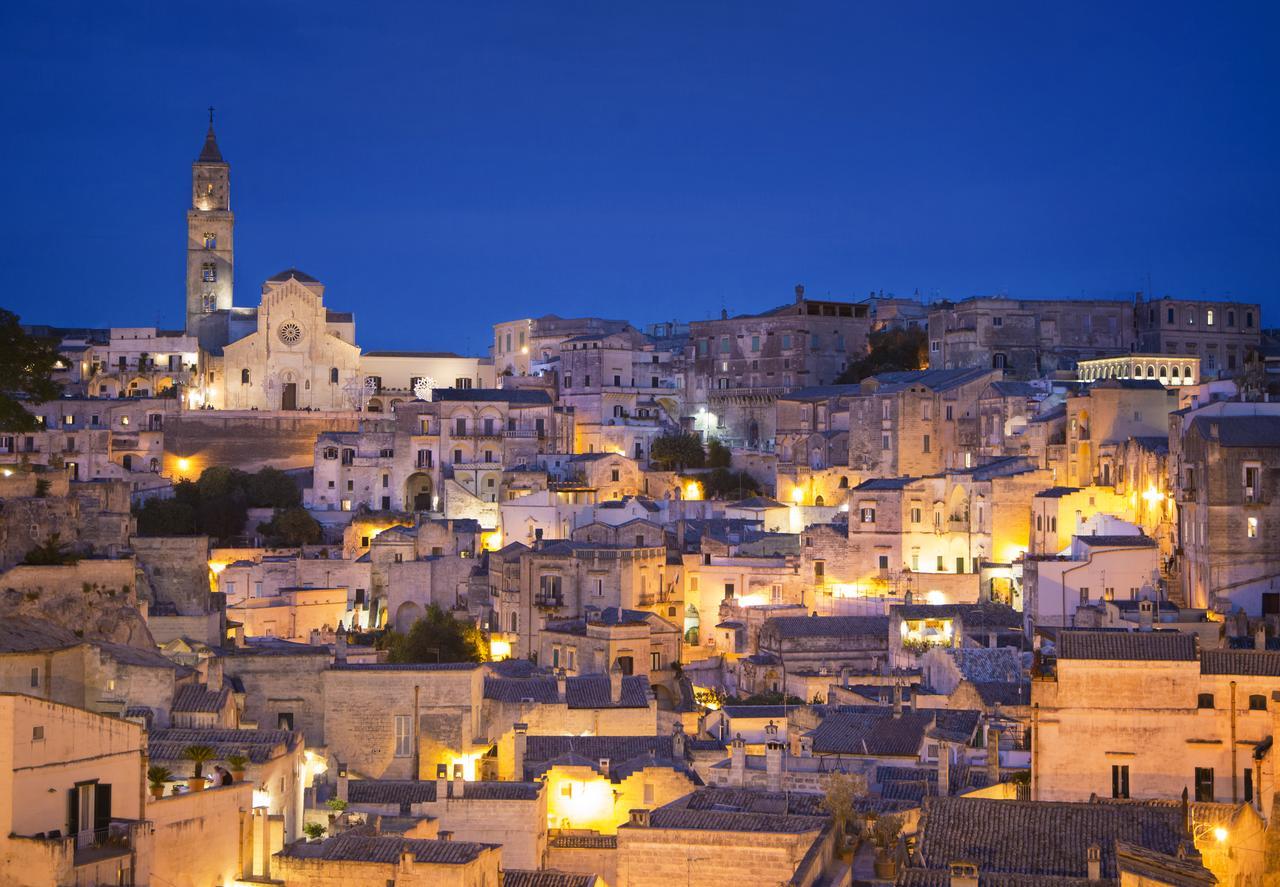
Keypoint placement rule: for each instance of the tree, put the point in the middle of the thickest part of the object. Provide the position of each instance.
(436, 637)
(166, 517)
(891, 350)
(293, 527)
(272, 488)
(26, 373)
(723, 483)
(51, 553)
(842, 790)
(718, 455)
(676, 452)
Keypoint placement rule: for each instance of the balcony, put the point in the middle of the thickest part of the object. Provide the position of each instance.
(548, 600)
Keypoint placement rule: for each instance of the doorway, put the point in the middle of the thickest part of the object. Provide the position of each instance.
(289, 396)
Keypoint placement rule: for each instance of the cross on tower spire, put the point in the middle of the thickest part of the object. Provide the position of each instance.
(210, 153)
(211, 116)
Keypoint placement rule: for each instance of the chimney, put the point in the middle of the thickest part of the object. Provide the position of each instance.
(521, 744)
(406, 859)
(615, 682)
(680, 535)
(340, 647)
(458, 781)
(799, 293)
(562, 684)
(963, 874)
(1260, 637)
(844, 675)
(773, 765)
(737, 761)
(993, 754)
(944, 768)
(1145, 614)
(342, 781)
(793, 740)
(640, 818)
(677, 742)
(897, 700)
(442, 782)
(1093, 858)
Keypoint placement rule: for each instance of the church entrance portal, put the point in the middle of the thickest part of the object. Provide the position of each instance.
(289, 396)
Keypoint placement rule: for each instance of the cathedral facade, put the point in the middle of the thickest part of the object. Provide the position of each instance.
(289, 353)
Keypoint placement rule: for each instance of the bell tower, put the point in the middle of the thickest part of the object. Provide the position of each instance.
(210, 260)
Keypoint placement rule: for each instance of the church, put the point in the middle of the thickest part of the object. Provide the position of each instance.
(289, 353)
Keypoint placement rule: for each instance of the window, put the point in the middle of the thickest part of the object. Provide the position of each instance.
(35, 677)
(1252, 476)
(724, 344)
(1204, 700)
(333, 375)
(1208, 317)
(924, 446)
(244, 377)
(1248, 784)
(868, 515)
(655, 661)
(949, 413)
(997, 321)
(627, 664)
(208, 273)
(1257, 702)
(1204, 784)
(884, 441)
(1248, 319)
(210, 240)
(37, 733)
(884, 561)
(915, 514)
(284, 720)
(404, 736)
(1084, 595)
(786, 341)
(1119, 780)
(1253, 528)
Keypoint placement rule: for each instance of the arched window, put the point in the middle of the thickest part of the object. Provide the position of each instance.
(1151, 371)
(244, 376)
(1164, 371)
(999, 361)
(819, 501)
(844, 483)
(515, 623)
(1175, 371)
(333, 375)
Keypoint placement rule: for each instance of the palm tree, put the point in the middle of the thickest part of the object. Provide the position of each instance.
(199, 755)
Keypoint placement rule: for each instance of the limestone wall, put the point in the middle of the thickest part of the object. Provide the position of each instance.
(247, 440)
(96, 597)
(196, 835)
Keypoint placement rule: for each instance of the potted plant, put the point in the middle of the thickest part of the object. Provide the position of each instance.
(885, 835)
(237, 763)
(198, 755)
(158, 776)
(314, 830)
(337, 805)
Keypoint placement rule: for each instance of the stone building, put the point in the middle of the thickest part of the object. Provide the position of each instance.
(1169, 370)
(1228, 501)
(520, 346)
(986, 840)
(210, 248)
(739, 366)
(355, 860)
(1105, 415)
(649, 642)
(1096, 568)
(1146, 715)
(916, 422)
(561, 579)
(1026, 338)
(1221, 334)
(622, 390)
(726, 837)
(812, 643)
(391, 378)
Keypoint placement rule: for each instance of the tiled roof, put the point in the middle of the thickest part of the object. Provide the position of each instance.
(585, 842)
(1168, 646)
(386, 849)
(409, 791)
(545, 878)
(1056, 492)
(199, 698)
(409, 354)
(829, 626)
(742, 810)
(984, 665)
(756, 711)
(292, 273)
(934, 380)
(1113, 541)
(886, 483)
(875, 731)
(259, 746)
(533, 396)
(1239, 431)
(1040, 837)
(757, 502)
(405, 666)
(26, 634)
(582, 691)
(1001, 693)
(1259, 663)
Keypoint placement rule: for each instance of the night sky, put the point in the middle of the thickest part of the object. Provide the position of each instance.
(441, 167)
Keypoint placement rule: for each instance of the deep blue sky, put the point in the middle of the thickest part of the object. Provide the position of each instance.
(444, 166)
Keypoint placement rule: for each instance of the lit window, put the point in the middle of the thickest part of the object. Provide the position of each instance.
(210, 240)
(208, 272)
(1253, 528)
(1208, 317)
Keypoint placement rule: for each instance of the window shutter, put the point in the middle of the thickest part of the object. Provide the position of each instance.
(102, 807)
(73, 809)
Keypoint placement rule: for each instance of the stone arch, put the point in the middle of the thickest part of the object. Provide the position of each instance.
(374, 405)
(417, 492)
(407, 614)
(819, 501)
(164, 384)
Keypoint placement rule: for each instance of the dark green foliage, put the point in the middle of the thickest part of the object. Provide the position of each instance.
(272, 488)
(436, 637)
(26, 373)
(891, 350)
(676, 452)
(166, 517)
(725, 484)
(292, 527)
(51, 553)
(217, 504)
(718, 455)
